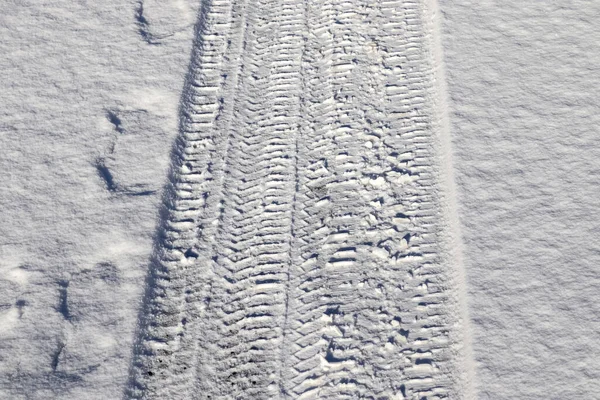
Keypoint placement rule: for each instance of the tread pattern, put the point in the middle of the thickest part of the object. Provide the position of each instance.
(366, 287)
(300, 253)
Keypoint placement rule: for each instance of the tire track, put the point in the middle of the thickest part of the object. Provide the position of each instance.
(244, 321)
(165, 355)
(370, 311)
(237, 147)
(303, 250)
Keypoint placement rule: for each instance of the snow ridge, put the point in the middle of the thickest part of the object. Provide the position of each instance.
(303, 250)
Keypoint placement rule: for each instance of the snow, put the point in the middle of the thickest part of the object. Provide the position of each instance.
(73, 255)
(525, 128)
(91, 94)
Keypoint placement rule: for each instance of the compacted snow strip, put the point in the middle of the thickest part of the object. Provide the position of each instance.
(178, 289)
(304, 250)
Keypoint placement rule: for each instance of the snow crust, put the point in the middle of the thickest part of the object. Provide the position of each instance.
(90, 93)
(89, 110)
(521, 78)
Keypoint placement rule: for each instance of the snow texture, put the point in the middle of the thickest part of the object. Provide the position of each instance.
(89, 112)
(302, 248)
(525, 127)
(283, 199)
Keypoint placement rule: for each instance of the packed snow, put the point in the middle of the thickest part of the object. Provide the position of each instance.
(283, 199)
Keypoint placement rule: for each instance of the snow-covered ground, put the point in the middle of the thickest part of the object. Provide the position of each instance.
(526, 129)
(88, 114)
(256, 199)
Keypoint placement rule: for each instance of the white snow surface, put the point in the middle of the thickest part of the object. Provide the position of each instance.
(81, 91)
(323, 199)
(525, 125)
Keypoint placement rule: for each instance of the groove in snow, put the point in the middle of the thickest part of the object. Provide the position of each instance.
(307, 248)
